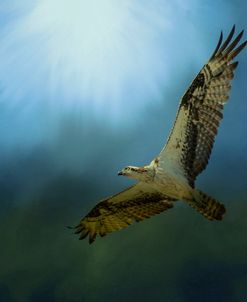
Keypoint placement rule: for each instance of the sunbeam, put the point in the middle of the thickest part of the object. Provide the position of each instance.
(95, 53)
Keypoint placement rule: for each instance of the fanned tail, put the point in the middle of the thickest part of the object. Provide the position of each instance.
(207, 206)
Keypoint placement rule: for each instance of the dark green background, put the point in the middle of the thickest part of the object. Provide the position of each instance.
(51, 182)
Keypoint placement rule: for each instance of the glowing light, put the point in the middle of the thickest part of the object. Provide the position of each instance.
(101, 53)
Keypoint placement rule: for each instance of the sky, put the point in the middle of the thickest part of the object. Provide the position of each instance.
(85, 89)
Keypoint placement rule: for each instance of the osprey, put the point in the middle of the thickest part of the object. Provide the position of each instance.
(171, 175)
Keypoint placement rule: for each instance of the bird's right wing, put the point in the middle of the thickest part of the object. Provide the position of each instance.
(118, 211)
(201, 109)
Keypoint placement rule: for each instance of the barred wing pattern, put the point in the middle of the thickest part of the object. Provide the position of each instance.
(191, 140)
(117, 212)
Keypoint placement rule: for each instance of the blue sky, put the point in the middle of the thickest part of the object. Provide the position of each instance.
(86, 89)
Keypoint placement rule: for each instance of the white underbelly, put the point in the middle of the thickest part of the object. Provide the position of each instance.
(173, 186)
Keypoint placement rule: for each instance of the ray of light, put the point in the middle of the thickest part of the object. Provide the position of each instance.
(91, 53)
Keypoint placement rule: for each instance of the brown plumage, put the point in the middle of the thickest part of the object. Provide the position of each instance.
(201, 109)
(119, 211)
(171, 175)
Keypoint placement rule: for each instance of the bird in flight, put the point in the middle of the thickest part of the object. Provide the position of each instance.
(171, 175)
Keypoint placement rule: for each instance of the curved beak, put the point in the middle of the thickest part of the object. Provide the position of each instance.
(120, 173)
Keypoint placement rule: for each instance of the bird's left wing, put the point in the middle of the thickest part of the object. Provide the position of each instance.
(191, 140)
(117, 212)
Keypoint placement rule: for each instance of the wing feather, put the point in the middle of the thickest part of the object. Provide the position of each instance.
(119, 211)
(191, 140)
(227, 41)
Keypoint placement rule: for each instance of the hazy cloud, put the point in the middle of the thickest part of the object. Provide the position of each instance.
(75, 107)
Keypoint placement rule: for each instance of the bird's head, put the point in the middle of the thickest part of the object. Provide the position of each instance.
(139, 173)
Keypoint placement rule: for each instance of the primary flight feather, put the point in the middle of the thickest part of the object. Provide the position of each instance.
(172, 174)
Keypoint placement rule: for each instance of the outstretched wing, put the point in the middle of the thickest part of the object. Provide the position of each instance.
(117, 212)
(191, 140)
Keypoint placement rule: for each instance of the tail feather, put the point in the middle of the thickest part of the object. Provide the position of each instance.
(207, 206)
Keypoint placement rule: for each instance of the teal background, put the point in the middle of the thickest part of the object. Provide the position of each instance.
(56, 163)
